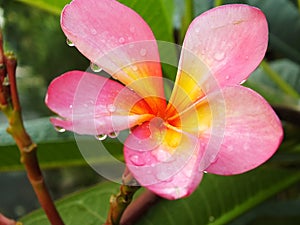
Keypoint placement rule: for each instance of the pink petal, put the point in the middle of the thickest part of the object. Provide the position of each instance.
(252, 134)
(222, 47)
(164, 160)
(117, 39)
(91, 104)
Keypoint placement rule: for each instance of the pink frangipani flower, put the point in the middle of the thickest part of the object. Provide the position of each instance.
(210, 123)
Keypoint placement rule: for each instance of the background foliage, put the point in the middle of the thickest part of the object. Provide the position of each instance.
(32, 31)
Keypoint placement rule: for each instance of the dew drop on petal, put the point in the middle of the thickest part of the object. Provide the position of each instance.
(111, 108)
(113, 134)
(137, 160)
(243, 81)
(213, 159)
(95, 67)
(60, 129)
(162, 175)
(188, 173)
(121, 40)
(161, 155)
(219, 56)
(132, 29)
(93, 31)
(227, 77)
(101, 137)
(134, 68)
(143, 52)
(70, 43)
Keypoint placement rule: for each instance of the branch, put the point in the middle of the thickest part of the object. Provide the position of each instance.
(138, 208)
(10, 105)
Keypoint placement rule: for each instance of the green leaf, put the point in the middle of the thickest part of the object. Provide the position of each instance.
(54, 149)
(217, 201)
(87, 207)
(273, 213)
(53, 6)
(261, 82)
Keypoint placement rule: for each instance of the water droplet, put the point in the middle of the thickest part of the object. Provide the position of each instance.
(101, 137)
(188, 173)
(163, 175)
(213, 159)
(204, 171)
(93, 31)
(134, 68)
(230, 148)
(70, 43)
(243, 81)
(70, 106)
(111, 108)
(227, 77)
(121, 40)
(113, 134)
(197, 30)
(219, 56)
(60, 129)
(143, 52)
(246, 147)
(162, 155)
(137, 160)
(132, 29)
(95, 67)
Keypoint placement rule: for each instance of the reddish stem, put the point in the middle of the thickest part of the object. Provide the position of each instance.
(138, 208)
(12, 109)
(3, 101)
(11, 66)
(122, 211)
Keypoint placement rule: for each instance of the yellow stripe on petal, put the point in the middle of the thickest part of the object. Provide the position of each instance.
(194, 120)
(191, 83)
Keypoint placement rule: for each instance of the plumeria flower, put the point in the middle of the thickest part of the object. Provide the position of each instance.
(210, 123)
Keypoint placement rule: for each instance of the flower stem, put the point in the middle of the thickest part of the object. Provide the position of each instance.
(3, 92)
(138, 207)
(119, 202)
(284, 86)
(10, 105)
